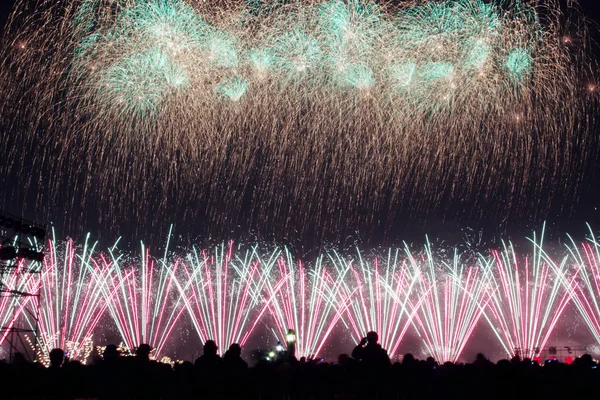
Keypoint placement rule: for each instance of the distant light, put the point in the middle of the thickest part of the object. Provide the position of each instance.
(291, 336)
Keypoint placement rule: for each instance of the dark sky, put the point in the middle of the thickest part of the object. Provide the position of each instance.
(589, 205)
(591, 8)
(5, 7)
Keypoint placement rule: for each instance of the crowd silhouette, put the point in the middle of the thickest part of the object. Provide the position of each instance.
(367, 374)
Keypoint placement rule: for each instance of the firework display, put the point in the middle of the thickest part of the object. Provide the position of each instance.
(232, 111)
(232, 294)
(455, 297)
(310, 301)
(144, 302)
(380, 301)
(222, 293)
(584, 283)
(527, 299)
(71, 301)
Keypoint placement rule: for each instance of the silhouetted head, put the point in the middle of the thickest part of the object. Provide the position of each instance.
(408, 359)
(57, 357)
(210, 348)
(372, 337)
(111, 352)
(585, 360)
(504, 363)
(235, 350)
(143, 351)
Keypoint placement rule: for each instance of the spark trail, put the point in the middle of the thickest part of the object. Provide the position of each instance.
(230, 292)
(455, 297)
(356, 112)
(223, 293)
(583, 284)
(71, 301)
(309, 301)
(382, 294)
(143, 300)
(527, 298)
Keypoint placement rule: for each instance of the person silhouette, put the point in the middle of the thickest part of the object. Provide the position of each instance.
(111, 353)
(370, 353)
(110, 369)
(209, 368)
(57, 357)
(233, 358)
(585, 361)
(235, 376)
(409, 360)
(481, 361)
(53, 377)
(142, 353)
(210, 359)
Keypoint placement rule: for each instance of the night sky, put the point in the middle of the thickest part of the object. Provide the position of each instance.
(591, 8)
(587, 209)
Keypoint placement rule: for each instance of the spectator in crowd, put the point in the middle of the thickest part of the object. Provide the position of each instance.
(209, 359)
(233, 358)
(140, 377)
(209, 370)
(370, 353)
(57, 358)
(142, 353)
